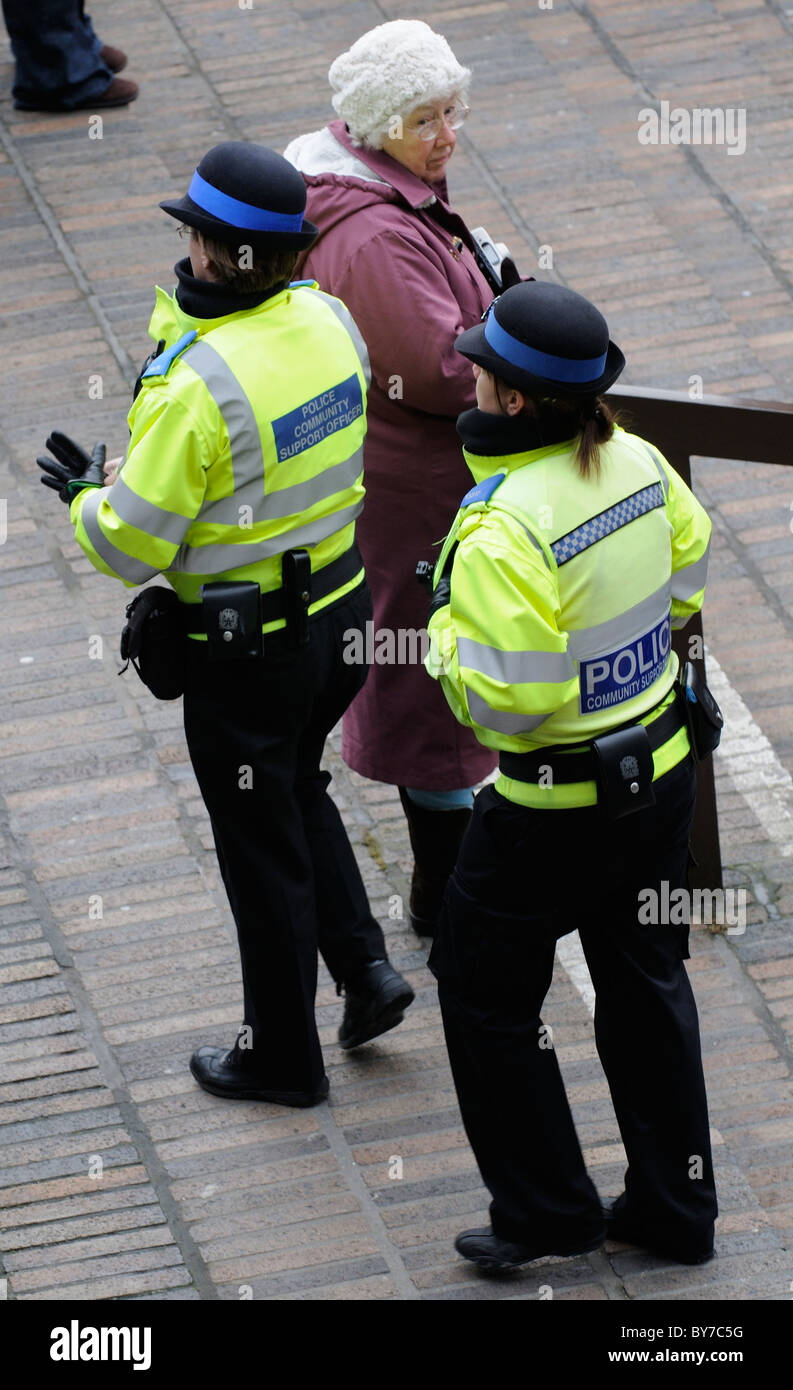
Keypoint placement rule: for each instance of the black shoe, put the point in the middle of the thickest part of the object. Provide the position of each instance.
(220, 1073)
(374, 1000)
(625, 1228)
(435, 839)
(488, 1252)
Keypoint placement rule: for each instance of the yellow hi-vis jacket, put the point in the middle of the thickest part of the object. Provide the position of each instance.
(246, 441)
(563, 593)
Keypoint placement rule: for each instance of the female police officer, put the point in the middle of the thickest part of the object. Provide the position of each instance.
(566, 567)
(241, 485)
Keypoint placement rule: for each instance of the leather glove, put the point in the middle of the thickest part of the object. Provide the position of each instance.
(72, 469)
(509, 274)
(441, 594)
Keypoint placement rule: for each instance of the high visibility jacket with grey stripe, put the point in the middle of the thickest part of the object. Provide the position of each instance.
(564, 591)
(246, 440)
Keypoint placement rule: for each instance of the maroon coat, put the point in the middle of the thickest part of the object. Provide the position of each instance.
(401, 261)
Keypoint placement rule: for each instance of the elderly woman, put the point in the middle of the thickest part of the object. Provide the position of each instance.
(402, 260)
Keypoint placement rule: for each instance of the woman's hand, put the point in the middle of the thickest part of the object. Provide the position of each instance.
(111, 470)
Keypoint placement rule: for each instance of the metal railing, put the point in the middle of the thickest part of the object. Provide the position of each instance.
(710, 427)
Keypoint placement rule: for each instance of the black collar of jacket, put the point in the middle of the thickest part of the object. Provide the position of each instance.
(208, 299)
(497, 435)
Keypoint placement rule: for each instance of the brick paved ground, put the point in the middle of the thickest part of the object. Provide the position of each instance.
(121, 1179)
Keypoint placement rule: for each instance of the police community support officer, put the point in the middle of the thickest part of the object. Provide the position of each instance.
(245, 466)
(564, 570)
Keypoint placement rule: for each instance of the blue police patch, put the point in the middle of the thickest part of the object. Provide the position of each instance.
(483, 491)
(314, 420)
(295, 284)
(618, 676)
(161, 364)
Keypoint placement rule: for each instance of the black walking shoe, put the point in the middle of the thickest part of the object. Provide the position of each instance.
(219, 1072)
(625, 1228)
(495, 1256)
(374, 1000)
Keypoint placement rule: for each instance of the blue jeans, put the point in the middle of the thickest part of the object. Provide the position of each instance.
(56, 53)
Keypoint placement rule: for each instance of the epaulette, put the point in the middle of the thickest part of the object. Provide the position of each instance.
(483, 491)
(295, 284)
(161, 364)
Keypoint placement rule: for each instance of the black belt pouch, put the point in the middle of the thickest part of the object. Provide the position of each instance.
(704, 719)
(624, 770)
(233, 621)
(154, 642)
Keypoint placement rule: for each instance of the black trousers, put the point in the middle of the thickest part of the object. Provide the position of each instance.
(256, 731)
(525, 878)
(56, 51)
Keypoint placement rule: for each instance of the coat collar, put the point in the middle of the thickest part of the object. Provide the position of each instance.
(497, 436)
(415, 191)
(209, 299)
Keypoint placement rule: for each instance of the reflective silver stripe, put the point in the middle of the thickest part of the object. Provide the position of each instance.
(146, 516)
(515, 668)
(689, 581)
(287, 501)
(662, 473)
(609, 636)
(124, 565)
(499, 720)
(345, 317)
(216, 559)
(247, 463)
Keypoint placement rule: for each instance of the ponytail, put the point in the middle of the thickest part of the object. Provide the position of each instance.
(590, 418)
(596, 424)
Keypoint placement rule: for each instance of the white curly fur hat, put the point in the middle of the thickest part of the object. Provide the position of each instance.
(389, 71)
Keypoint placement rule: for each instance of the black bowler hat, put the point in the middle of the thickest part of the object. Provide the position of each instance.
(545, 339)
(242, 190)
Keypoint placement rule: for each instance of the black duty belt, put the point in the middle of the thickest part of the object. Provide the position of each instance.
(571, 765)
(274, 603)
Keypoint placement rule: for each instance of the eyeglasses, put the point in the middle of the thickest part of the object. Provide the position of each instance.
(429, 127)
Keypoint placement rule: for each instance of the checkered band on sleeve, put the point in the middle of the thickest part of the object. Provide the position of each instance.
(612, 519)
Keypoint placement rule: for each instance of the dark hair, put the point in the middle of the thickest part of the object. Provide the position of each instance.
(590, 417)
(260, 270)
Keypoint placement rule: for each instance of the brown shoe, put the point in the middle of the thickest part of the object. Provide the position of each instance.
(112, 57)
(120, 93)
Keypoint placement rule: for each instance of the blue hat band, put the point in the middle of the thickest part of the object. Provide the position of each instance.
(239, 214)
(542, 364)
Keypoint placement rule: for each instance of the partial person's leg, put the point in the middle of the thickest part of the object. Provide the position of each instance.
(493, 958)
(243, 722)
(349, 936)
(56, 54)
(350, 939)
(646, 1025)
(437, 822)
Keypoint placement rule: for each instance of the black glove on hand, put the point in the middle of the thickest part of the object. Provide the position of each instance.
(74, 469)
(510, 274)
(441, 594)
